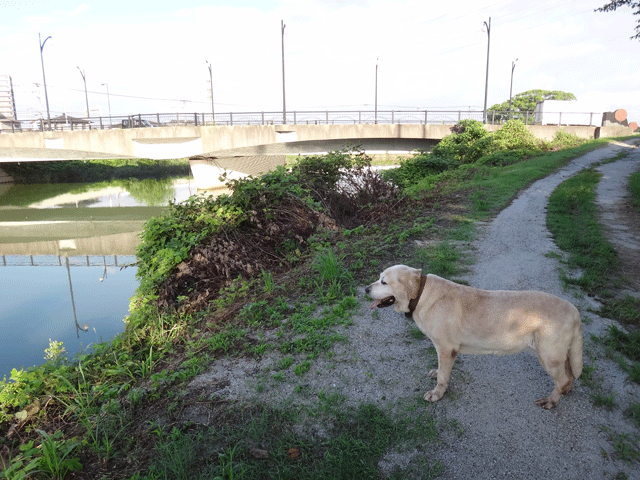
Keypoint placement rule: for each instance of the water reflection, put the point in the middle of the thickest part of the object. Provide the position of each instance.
(61, 252)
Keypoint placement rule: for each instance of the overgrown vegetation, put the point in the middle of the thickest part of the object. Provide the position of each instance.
(271, 267)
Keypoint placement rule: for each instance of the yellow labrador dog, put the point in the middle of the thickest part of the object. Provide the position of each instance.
(460, 319)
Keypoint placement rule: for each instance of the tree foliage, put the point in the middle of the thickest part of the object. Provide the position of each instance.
(614, 4)
(526, 101)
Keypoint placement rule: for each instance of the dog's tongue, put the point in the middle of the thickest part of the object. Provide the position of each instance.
(385, 302)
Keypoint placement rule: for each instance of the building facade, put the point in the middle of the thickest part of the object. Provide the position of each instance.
(7, 100)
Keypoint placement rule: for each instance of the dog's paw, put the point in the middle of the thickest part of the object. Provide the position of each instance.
(433, 373)
(432, 396)
(546, 403)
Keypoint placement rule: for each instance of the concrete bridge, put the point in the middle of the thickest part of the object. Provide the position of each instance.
(243, 149)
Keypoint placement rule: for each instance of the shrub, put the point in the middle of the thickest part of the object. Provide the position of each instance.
(514, 135)
(504, 157)
(417, 167)
(564, 140)
(460, 146)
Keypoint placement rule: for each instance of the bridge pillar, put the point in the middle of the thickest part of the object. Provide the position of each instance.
(207, 171)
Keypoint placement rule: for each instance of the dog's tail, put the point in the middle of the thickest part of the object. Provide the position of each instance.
(575, 349)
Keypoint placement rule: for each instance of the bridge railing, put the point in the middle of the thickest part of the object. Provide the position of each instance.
(317, 117)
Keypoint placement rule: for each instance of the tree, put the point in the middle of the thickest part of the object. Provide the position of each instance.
(523, 104)
(614, 4)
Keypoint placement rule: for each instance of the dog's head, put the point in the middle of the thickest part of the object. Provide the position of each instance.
(397, 286)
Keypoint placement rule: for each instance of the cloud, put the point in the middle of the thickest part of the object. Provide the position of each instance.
(82, 8)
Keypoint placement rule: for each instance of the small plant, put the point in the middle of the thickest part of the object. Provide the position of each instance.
(602, 400)
(56, 454)
(55, 352)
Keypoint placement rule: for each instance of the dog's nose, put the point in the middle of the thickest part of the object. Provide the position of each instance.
(366, 290)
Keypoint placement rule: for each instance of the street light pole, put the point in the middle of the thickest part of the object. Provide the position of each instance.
(211, 80)
(486, 84)
(108, 101)
(284, 102)
(513, 66)
(376, 99)
(86, 97)
(44, 80)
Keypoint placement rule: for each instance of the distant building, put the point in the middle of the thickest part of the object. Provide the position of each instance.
(7, 101)
(567, 112)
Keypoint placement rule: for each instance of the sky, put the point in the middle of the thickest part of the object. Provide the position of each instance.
(151, 57)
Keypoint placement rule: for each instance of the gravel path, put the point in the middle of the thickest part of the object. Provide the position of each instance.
(490, 427)
(507, 436)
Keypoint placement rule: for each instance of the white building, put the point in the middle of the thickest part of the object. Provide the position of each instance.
(7, 101)
(567, 112)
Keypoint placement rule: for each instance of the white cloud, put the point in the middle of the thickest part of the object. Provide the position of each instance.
(82, 8)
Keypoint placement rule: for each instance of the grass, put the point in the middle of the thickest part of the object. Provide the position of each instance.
(634, 187)
(572, 220)
(625, 347)
(265, 444)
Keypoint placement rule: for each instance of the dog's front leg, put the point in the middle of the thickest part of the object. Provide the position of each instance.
(446, 358)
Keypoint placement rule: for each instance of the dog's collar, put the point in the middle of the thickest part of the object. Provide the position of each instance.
(413, 303)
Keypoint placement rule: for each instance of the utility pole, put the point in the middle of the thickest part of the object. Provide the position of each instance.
(44, 80)
(486, 84)
(85, 89)
(284, 102)
(513, 66)
(376, 99)
(211, 80)
(108, 101)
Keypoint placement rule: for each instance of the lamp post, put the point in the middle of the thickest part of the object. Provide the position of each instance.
(108, 101)
(44, 80)
(376, 98)
(211, 82)
(486, 84)
(513, 66)
(86, 97)
(284, 102)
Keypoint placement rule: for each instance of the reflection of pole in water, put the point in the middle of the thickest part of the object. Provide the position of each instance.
(85, 327)
(104, 274)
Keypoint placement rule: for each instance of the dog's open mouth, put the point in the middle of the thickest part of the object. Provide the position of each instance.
(385, 302)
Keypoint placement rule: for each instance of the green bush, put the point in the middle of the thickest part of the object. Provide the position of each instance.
(419, 166)
(460, 145)
(504, 157)
(564, 140)
(514, 135)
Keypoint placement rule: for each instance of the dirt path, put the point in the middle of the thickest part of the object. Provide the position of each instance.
(619, 215)
(489, 424)
(506, 435)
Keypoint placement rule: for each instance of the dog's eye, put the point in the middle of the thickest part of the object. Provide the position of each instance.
(383, 282)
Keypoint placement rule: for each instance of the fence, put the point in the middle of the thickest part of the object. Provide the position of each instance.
(327, 117)
(60, 261)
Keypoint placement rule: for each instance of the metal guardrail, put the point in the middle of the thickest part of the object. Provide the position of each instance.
(318, 117)
(16, 260)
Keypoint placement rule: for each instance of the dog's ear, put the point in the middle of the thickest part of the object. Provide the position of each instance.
(414, 282)
(409, 283)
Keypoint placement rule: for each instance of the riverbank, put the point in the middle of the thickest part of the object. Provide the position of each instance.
(93, 170)
(301, 379)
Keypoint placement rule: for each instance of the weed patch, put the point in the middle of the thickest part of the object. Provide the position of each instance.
(571, 218)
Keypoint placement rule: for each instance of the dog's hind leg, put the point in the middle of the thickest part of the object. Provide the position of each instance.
(446, 358)
(560, 371)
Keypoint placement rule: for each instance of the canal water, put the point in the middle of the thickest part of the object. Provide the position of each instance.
(64, 251)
